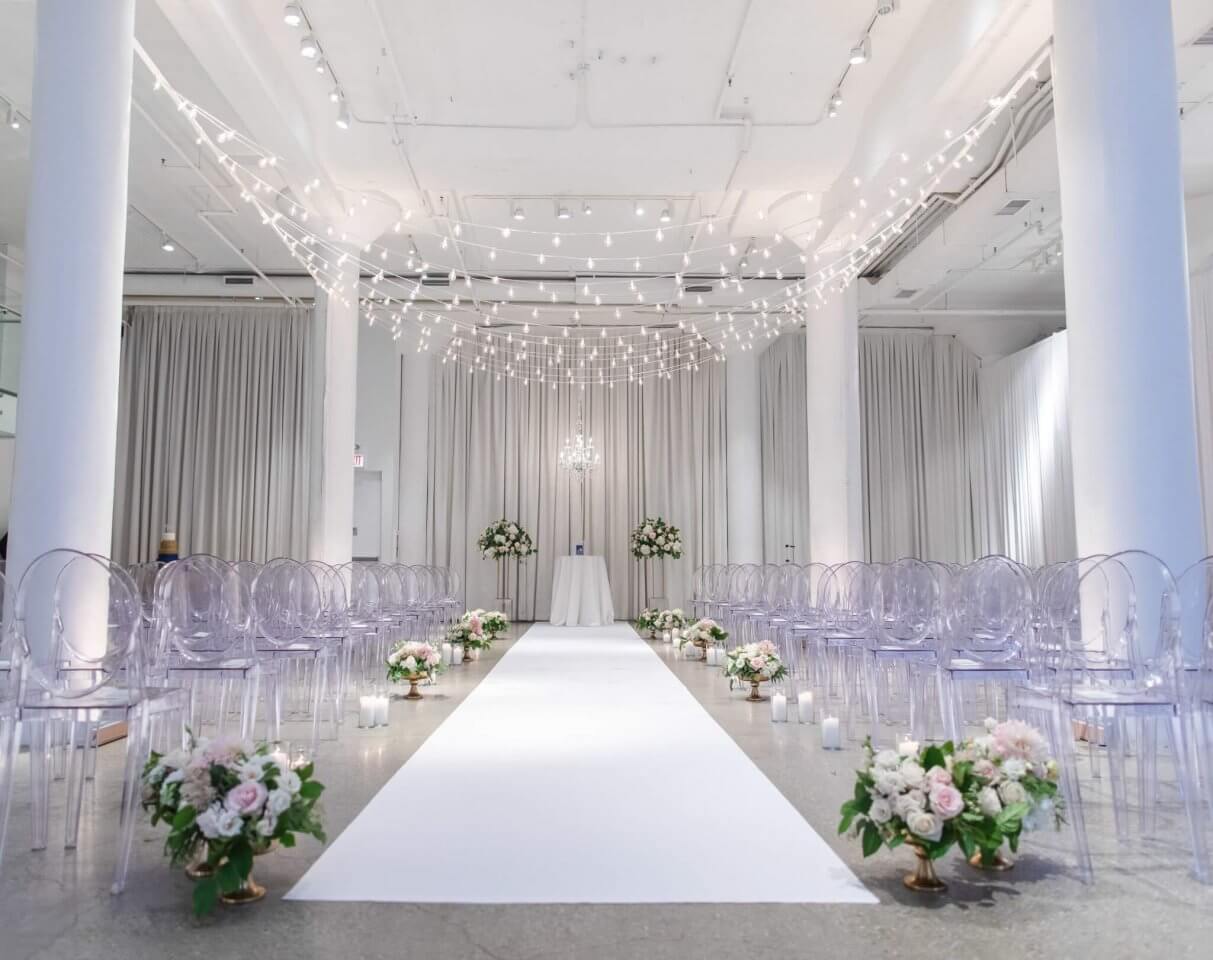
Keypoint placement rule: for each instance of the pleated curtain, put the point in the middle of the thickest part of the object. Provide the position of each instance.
(1202, 375)
(1028, 505)
(493, 451)
(214, 431)
(785, 454)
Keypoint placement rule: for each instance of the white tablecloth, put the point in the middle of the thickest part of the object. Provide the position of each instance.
(581, 593)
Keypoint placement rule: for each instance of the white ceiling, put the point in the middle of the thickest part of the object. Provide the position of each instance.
(717, 109)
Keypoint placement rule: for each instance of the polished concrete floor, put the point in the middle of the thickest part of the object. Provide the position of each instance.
(55, 905)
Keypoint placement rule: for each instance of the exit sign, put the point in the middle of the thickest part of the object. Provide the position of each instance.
(359, 460)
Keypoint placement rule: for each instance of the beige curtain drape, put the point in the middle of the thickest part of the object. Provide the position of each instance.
(214, 433)
(785, 451)
(494, 445)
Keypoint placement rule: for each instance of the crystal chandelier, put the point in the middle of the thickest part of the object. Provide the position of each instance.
(578, 455)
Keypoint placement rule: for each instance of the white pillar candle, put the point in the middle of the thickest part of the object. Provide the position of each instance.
(456, 653)
(665, 637)
(831, 734)
(381, 711)
(366, 711)
(448, 656)
(804, 707)
(779, 708)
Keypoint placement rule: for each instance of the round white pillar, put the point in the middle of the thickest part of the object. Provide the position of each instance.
(417, 369)
(743, 452)
(834, 489)
(336, 318)
(1132, 419)
(75, 243)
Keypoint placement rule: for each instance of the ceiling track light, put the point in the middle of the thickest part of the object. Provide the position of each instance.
(292, 15)
(166, 243)
(861, 52)
(12, 118)
(308, 47)
(638, 208)
(518, 213)
(344, 118)
(885, 7)
(586, 209)
(335, 95)
(563, 212)
(664, 216)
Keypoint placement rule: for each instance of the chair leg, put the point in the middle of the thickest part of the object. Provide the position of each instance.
(1187, 786)
(137, 745)
(77, 746)
(10, 738)
(1062, 734)
(40, 773)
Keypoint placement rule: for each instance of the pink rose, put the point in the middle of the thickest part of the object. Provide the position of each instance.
(246, 797)
(947, 801)
(757, 663)
(474, 625)
(984, 769)
(938, 777)
(1014, 738)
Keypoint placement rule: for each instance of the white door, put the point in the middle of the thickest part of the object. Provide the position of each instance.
(368, 513)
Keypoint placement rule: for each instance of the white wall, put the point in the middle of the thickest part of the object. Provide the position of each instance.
(377, 420)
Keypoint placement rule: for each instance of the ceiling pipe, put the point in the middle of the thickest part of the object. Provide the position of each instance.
(205, 217)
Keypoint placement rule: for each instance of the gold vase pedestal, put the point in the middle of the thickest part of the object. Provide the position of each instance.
(755, 696)
(998, 864)
(200, 870)
(924, 879)
(414, 679)
(248, 892)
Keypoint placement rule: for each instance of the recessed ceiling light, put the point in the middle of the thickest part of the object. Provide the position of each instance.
(861, 52)
(292, 15)
(308, 47)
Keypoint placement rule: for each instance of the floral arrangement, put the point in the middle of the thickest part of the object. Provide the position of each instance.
(750, 662)
(671, 619)
(471, 632)
(985, 792)
(234, 799)
(412, 658)
(704, 632)
(654, 539)
(492, 622)
(504, 538)
(647, 621)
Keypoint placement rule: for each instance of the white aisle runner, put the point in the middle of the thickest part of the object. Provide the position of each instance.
(580, 770)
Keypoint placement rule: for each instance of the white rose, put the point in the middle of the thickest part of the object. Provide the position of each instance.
(500, 538)
(1013, 768)
(176, 759)
(410, 664)
(881, 810)
(175, 777)
(207, 821)
(646, 550)
(912, 773)
(909, 802)
(278, 801)
(513, 529)
(230, 824)
(266, 826)
(886, 760)
(1012, 791)
(251, 770)
(289, 781)
(908, 748)
(926, 825)
(988, 801)
(990, 724)
(888, 782)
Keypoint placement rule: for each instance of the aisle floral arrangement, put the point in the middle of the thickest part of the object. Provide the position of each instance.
(492, 622)
(233, 800)
(705, 633)
(977, 796)
(646, 623)
(471, 632)
(751, 663)
(413, 659)
(671, 619)
(504, 538)
(654, 539)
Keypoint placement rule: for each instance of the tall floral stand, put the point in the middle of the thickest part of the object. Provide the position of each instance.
(653, 574)
(504, 603)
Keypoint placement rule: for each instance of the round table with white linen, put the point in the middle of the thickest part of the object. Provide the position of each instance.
(581, 593)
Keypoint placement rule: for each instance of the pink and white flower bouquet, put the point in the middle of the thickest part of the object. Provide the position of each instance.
(505, 538)
(470, 631)
(647, 621)
(232, 798)
(411, 659)
(655, 538)
(671, 619)
(977, 796)
(754, 661)
(492, 622)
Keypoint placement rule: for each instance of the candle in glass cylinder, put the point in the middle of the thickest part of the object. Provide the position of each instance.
(779, 708)
(381, 711)
(665, 637)
(366, 711)
(831, 734)
(448, 655)
(804, 707)
(456, 653)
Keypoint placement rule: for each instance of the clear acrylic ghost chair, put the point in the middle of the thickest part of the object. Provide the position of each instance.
(287, 614)
(1120, 664)
(845, 600)
(905, 618)
(204, 643)
(335, 627)
(12, 671)
(77, 620)
(452, 594)
(716, 605)
(1196, 611)
(988, 618)
(362, 591)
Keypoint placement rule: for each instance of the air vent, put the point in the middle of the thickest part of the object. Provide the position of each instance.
(237, 281)
(1012, 207)
(435, 281)
(905, 294)
(698, 288)
(1205, 39)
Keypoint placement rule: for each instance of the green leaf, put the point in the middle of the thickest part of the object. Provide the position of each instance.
(184, 818)
(311, 790)
(933, 756)
(871, 839)
(305, 772)
(240, 856)
(966, 844)
(229, 877)
(206, 895)
(287, 839)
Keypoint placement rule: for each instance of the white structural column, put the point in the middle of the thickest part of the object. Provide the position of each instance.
(834, 481)
(1132, 419)
(336, 319)
(417, 368)
(743, 451)
(67, 415)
